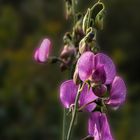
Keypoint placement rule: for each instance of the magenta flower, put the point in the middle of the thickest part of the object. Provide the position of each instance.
(68, 91)
(42, 53)
(98, 126)
(100, 69)
(117, 93)
(97, 68)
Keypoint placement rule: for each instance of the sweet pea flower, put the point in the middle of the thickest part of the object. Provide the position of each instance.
(117, 93)
(98, 126)
(42, 52)
(100, 69)
(68, 91)
(97, 68)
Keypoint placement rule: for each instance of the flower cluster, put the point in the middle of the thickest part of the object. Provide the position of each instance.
(95, 85)
(102, 87)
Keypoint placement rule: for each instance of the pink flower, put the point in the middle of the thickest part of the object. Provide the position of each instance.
(98, 126)
(97, 68)
(42, 52)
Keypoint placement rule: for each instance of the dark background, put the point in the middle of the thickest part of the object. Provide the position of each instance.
(29, 101)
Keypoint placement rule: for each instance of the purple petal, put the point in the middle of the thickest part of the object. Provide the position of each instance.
(100, 90)
(98, 126)
(99, 75)
(117, 92)
(86, 97)
(42, 53)
(68, 91)
(109, 67)
(85, 65)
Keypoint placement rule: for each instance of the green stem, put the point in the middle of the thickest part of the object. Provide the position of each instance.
(74, 113)
(73, 11)
(75, 108)
(64, 124)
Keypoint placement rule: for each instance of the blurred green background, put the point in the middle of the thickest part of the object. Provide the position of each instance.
(29, 102)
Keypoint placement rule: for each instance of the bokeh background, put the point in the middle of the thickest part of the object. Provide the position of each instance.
(29, 102)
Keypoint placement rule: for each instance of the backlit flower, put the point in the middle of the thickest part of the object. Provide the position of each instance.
(42, 52)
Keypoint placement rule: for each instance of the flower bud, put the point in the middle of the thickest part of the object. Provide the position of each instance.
(99, 90)
(68, 50)
(76, 78)
(78, 26)
(68, 5)
(42, 53)
(83, 46)
(86, 21)
(67, 55)
(99, 20)
(67, 39)
(94, 47)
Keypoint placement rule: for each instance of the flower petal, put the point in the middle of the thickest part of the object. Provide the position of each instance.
(87, 96)
(98, 126)
(109, 67)
(99, 75)
(36, 55)
(85, 65)
(42, 53)
(117, 92)
(68, 91)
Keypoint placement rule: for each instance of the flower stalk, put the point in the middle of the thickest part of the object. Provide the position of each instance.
(73, 11)
(94, 84)
(74, 112)
(64, 125)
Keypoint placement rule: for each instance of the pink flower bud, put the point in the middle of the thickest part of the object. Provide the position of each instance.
(42, 53)
(67, 51)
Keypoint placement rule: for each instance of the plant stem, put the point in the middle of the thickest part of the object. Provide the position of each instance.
(64, 124)
(73, 11)
(76, 101)
(74, 113)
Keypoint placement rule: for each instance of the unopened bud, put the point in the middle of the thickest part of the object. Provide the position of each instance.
(86, 20)
(82, 46)
(76, 78)
(99, 90)
(68, 5)
(99, 20)
(68, 50)
(78, 26)
(67, 39)
(94, 47)
(88, 42)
